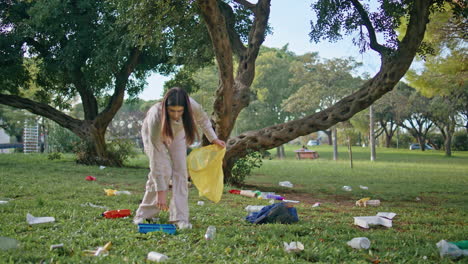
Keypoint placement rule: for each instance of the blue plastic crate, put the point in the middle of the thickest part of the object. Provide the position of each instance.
(167, 228)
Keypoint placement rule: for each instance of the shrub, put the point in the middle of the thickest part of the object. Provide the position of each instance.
(61, 139)
(460, 141)
(54, 156)
(244, 166)
(119, 150)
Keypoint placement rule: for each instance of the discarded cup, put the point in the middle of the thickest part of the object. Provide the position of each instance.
(286, 184)
(387, 215)
(347, 188)
(253, 208)
(359, 243)
(363, 187)
(38, 220)
(90, 178)
(123, 192)
(373, 202)
(210, 233)
(294, 246)
(317, 204)
(8, 243)
(366, 221)
(201, 203)
(155, 256)
(450, 249)
(102, 167)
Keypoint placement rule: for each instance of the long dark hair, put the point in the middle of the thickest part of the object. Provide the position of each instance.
(178, 97)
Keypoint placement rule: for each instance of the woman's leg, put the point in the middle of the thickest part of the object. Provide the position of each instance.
(178, 208)
(160, 166)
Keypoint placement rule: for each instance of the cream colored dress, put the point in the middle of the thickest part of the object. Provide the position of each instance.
(169, 162)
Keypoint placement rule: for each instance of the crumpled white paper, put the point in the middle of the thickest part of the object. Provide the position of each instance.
(294, 246)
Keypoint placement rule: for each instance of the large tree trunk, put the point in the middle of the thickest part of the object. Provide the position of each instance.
(448, 145)
(329, 136)
(234, 92)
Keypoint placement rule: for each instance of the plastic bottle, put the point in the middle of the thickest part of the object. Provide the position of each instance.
(373, 202)
(210, 233)
(254, 208)
(247, 193)
(117, 213)
(275, 197)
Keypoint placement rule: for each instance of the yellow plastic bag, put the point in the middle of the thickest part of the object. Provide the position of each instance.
(205, 167)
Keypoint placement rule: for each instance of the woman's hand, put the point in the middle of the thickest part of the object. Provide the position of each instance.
(219, 142)
(162, 200)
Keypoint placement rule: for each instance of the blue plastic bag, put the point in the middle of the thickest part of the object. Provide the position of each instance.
(275, 213)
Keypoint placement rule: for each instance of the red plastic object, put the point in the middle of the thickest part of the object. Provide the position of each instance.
(90, 178)
(235, 191)
(117, 213)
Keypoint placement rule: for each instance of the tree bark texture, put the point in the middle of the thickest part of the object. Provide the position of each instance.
(371, 134)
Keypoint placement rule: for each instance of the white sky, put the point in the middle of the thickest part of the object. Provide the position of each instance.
(290, 20)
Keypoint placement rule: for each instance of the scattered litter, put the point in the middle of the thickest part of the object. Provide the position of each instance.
(166, 228)
(263, 195)
(359, 243)
(387, 215)
(275, 197)
(155, 256)
(271, 201)
(317, 204)
(56, 246)
(234, 191)
(100, 251)
(210, 233)
(117, 213)
(248, 193)
(8, 243)
(90, 178)
(366, 221)
(363, 187)
(452, 249)
(294, 246)
(3, 202)
(286, 184)
(39, 220)
(95, 206)
(362, 202)
(102, 167)
(254, 208)
(373, 203)
(276, 213)
(201, 203)
(111, 192)
(291, 201)
(347, 188)
(418, 199)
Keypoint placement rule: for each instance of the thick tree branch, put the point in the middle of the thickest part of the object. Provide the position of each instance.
(370, 28)
(391, 71)
(237, 46)
(216, 25)
(42, 110)
(121, 80)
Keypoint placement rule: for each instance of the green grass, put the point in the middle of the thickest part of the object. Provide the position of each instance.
(57, 188)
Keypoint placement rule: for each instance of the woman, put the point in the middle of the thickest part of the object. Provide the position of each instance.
(169, 126)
